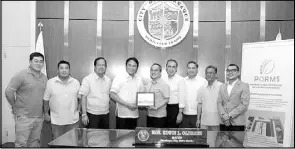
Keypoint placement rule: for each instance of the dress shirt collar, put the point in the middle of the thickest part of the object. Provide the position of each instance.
(233, 83)
(29, 70)
(155, 81)
(173, 77)
(97, 77)
(57, 79)
(130, 77)
(159, 80)
(192, 79)
(213, 84)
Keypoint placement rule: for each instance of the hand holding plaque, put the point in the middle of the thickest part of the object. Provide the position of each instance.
(145, 99)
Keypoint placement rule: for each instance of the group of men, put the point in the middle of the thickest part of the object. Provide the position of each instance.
(190, 102)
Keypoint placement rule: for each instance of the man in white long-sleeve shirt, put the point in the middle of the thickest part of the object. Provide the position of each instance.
(177, 92)
(208, 117)
(123, 92)
(193, 82)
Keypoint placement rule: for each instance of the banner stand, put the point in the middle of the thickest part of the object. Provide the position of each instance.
(268, 67)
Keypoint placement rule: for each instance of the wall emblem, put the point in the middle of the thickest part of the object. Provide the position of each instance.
(163, 23)
(143, 135)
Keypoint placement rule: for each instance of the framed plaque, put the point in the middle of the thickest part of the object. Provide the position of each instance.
(145, 99)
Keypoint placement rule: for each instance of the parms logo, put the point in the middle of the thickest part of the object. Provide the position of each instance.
(163, 23)
(143, 135)
(266, 68)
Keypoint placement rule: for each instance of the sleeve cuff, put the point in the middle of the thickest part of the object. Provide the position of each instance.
(11, 88)
(113, 90)
(181, 105)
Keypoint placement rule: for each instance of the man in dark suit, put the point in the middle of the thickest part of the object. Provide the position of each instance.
(233, 101)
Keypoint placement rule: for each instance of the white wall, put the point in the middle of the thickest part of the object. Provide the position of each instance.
(18, 40)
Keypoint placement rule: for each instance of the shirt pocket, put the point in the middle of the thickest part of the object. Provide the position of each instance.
(104, 90)
(42, 84)
(174, 88)
(157, 91)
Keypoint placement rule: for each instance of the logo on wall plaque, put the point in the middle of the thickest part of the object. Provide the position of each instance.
(143, 135)
(163, 23)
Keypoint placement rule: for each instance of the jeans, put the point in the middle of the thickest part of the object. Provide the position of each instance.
(28, 131)
(58, 130)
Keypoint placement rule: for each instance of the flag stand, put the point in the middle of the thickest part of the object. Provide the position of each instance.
(40, 47)
(40, 25)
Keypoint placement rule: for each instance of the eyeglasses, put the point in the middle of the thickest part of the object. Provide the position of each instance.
(210, 73)
(231, 70)
(155, 70)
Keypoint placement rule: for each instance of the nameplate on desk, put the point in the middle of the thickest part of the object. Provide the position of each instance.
(145, 135)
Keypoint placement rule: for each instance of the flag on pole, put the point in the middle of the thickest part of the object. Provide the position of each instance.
(40, 49)
(279, 36)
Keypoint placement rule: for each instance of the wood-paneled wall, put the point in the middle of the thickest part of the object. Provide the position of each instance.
(245, 27)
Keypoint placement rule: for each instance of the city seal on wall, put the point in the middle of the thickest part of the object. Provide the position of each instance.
(163, 23)
(143, 135)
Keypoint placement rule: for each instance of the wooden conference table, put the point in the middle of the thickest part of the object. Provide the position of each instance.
(82, 137)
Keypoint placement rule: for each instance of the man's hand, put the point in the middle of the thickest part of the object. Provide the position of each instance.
(227, 123)
(198, 124)
(85, 119)
(225, 117)
(142, 108)
(179, 118)
(225, 137)
(131, 107)
(13, 110)
(47, 117)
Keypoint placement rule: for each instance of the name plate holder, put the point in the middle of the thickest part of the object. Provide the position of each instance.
(170, 137)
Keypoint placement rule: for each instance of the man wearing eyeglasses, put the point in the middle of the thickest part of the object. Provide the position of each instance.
(208, 117)
(233, 101)
(157, 113)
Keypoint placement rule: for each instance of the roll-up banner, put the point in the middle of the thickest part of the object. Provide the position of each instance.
(268, 67)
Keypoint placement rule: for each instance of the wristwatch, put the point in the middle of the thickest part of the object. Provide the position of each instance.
(84, 114)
